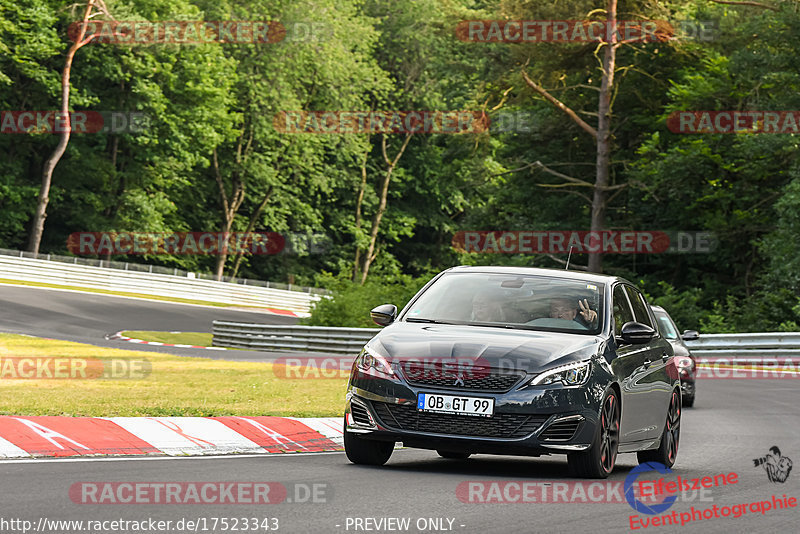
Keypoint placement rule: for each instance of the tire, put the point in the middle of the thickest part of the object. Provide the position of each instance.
(453, 455)
(598, 461)
(667, 450)
(688, 402)
(366, 452)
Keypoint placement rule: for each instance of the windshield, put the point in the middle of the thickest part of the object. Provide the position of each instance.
(511, 301)
(665, 325)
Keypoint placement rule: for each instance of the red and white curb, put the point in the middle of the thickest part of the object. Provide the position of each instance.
(120, 337)
(30, 437)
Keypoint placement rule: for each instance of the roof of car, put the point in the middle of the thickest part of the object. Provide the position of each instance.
(532, 271)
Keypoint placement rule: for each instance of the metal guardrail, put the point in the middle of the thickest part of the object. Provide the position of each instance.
(350, 340)
(265, 337)
(158, 269)
(741, 346)
(147, 283)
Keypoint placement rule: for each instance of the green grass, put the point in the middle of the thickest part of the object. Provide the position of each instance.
(124, 294)
(176, 386)
(176, 338)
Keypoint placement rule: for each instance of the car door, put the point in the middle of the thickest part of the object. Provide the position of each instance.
(653, 379)
(628, 367)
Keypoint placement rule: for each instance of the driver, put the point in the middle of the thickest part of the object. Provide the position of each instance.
(564, 308)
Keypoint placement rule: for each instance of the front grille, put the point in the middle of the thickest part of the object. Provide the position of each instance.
(422, 374)
(406, 417)
(359, 414)
(561, 431)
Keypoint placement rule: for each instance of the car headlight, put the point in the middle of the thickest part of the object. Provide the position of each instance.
(370, 361)
(572, 374)
(683, 363)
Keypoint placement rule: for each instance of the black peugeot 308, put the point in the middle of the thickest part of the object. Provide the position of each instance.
(519, 361)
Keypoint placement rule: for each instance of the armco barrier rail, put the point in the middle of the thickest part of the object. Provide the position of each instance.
(740, 346)
(350, 340)
(267, 337)
(152, 283)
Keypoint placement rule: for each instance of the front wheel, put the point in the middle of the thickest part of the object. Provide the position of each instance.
(366, 452)
(598, 461)
(667, 450)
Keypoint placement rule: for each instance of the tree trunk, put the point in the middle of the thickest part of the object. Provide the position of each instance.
(361, 189)
(37, 226)
(604, 138)
(222, 254)
(370, 255)
(230, 205)
(250, 226)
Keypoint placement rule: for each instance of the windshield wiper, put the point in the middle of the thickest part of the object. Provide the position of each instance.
(423, 320)
(492, 325)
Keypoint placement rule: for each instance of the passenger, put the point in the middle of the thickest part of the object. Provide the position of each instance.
(487, 307)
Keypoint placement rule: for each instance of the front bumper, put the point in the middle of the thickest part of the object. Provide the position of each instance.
(529, 421)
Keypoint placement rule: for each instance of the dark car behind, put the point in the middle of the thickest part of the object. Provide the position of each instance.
(684, 360)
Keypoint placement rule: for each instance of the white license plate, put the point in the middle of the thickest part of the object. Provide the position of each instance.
(434, 402)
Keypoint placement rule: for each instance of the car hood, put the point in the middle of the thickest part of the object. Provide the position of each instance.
(526, 350)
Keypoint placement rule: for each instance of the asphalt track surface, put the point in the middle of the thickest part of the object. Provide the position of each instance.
(734, 421)
(88, 317)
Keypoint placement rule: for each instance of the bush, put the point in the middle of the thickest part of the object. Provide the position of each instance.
(351, 302)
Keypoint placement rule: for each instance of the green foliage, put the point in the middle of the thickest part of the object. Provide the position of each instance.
(351, 302)
(402, 55)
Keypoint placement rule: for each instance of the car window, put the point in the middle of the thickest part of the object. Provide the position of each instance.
(640, 307)
(622, 310)
(665, 325)
(512, 301)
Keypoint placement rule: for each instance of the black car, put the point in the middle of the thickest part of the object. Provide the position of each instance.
(519, 361)
(684, 360)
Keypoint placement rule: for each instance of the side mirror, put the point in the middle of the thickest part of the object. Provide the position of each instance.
(690, 335)
(636, 333)
(384, 315)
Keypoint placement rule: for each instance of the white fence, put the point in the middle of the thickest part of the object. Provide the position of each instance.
(152, 283)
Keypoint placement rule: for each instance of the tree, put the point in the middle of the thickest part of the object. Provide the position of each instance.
(37, 226)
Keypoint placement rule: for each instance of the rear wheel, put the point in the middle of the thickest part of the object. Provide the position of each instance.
(366, 452)
(598, 461)
(667, 450)
(453, 455)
